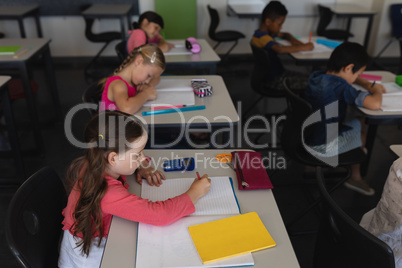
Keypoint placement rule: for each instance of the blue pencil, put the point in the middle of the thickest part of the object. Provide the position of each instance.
(169, 111)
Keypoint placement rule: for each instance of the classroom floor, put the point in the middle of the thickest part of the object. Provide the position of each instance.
(290, 196)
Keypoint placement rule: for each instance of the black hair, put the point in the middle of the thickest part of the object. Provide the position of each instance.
(348, 53)
(273, 10)
(151, 17)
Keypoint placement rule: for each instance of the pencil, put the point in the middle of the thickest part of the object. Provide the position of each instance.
(372, 85)
(167, 107)
(198, 175)
(20, 53)
(309, 38)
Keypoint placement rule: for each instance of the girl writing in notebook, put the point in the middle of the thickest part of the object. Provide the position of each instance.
(146, 30)
(132, 83)
(99, 190)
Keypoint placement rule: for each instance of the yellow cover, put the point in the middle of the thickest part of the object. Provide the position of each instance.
(230, 237)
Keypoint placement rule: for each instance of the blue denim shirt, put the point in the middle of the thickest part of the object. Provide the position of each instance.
(324, 89)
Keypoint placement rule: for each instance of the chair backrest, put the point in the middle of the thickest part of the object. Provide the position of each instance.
(298, 110)
(93, 95)
(342, 242)
(325, 15)
(34, 220)
(261, 67)
(396, 19)
(88, 24)
(121, 50)
(213, 14)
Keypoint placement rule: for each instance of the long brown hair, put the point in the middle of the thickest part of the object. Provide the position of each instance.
(151, 54)
(108, 131)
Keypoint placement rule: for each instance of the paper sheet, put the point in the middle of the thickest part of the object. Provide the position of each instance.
(173, 92)
(179, 49)
(318, 48)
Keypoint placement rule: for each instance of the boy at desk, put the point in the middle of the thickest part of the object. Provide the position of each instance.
(273, 17)
(333, 87)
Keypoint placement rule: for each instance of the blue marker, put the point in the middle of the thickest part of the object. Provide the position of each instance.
(169, 111)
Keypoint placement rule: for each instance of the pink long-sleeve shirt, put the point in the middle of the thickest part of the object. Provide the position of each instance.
(120, 202)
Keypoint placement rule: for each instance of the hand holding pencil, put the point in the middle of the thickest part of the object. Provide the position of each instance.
(199, 188)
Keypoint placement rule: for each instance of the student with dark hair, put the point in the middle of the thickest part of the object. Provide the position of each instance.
(146, 30)
(273, 17)
(331, 92)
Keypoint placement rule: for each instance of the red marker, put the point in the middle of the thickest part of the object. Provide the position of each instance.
(198, 175)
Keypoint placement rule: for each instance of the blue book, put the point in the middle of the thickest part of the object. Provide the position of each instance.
(175, 110)
(329, 43)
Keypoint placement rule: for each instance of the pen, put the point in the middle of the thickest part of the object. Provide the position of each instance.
(167, 107)
(309, 38)
(198, 175)
(20, 53)
(175, 110)
(372, 85)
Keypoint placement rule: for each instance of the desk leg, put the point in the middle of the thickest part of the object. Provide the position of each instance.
(31, 107)
(368, 31)
(52, 83)
(123, 29)
(13, 136)
(38, 26)
(22, 29)
(371, 134)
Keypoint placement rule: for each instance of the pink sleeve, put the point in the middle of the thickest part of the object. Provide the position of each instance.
(118, 201)
(136, 39)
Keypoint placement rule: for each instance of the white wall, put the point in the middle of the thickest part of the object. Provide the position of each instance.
(68, 39)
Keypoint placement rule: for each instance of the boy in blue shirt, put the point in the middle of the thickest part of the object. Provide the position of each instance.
(273, 17)
(333, 87)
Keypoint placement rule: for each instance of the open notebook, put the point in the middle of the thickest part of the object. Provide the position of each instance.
(172, 245)
(179, 49)
(173, 92)
(392, 100)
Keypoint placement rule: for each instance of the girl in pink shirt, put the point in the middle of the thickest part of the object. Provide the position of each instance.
(132, 84)
(115, 149)
(146, 30)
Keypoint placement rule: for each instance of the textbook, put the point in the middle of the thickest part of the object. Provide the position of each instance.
(9, 50)
(172, 245)
(172, 92)
(230, 237)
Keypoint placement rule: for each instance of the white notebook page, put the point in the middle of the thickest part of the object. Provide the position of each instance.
(219, 200)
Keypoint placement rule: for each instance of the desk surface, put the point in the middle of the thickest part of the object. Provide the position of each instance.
(311, 57)
(120, 250)
(105, 10)
(347, 9)
(3, 80)
(32, 45)
(219, 107)
(251, 8)
(397, 149)
(13, 11)
(207, 54)
(386, 77)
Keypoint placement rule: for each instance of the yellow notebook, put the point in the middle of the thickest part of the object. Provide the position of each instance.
(230, 237)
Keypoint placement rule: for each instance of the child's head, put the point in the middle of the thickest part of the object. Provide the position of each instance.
(150, 22)
(350, 59)
(273, 16)
(115, 143)
(146, 62)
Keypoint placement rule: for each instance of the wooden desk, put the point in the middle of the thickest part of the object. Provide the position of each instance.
(19, 13)
(206, 59)
(34, 47)
(349, 11)
(397, 149)
(12, 133)
(121, 246)
(103, 11)
(377, 117)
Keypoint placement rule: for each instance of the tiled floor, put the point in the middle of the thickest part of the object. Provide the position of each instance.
(290, 197)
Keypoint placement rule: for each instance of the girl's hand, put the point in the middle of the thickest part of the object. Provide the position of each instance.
(149, 91)
(165, 47)
(153, 177)
(199, 188)
(308, 46)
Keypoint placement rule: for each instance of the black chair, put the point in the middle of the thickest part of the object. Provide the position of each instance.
(221, 36)
(342, 242)
(33, 225)
(326, 15)
(121, 50)
(92, 96)
(396, 21)
(106, 37)
(293, 140)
